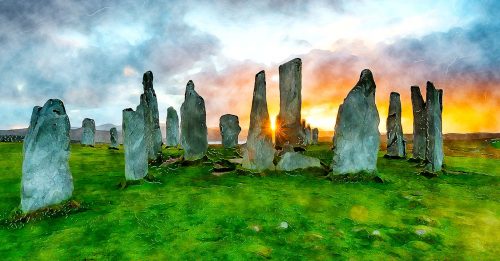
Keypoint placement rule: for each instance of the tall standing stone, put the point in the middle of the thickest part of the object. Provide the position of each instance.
(172, 127)
(46, 178)
(395, 139)
(134, 143)
(288, 129)
(194, 133)
(259, 152)
(88, 132)
(419, 123)
(315, 134)
(309, 135)
(152, 118)
(113, 138)
(229, 127)
(357, 138)
(434, 146)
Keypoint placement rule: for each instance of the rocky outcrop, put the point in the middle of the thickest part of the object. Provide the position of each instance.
(229, 126)
(434, 144)
(151, 118)
(172, 127)
(113, 138)
(193, 125)
(46, 178)
(294, 160)
(357, 138)
(288, 123)
(88, 134)
(258, 153)
(134, 143)
(395, 140)
(419, 123)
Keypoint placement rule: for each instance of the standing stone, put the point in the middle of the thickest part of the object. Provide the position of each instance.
(46, 178)
(113, 137)
(194, 133)
(315, 135)
(134, 143)
(309, 135)
(357, 138)
(259, 152)
(419, 123)
(88, 133)
(434, 146)
(152, 118)
(229, 126)
(172, 127)
(288, 120)
(395, 139)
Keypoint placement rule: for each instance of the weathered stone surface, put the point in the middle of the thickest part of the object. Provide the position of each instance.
(46, 178)
(294, 160)
(259, 152)
(357, 138)
(134, 143)
(419, 123)
(229, 126)
(172, 127)
(194, 131)
(288, 123)
(151, 118)
(308, 135)
(113, 138)
(395, 139)
(315, 134)
(88, 134)
(434, 146)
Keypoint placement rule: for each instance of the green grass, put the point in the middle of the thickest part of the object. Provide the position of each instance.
(192, 214)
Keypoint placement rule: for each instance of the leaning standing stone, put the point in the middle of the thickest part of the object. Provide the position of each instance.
(434, 146)
(134, 143)
(194, 133)
(46, 178)
(395, 140)
(113, 138)
(259, 152)
(419, 123)
(229, 127)
(88, 132)
(308, 135)
(357, 138)
(172, 127)
(289, 129)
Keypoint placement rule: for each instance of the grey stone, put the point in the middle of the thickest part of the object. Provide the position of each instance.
(315, 134)
(88, 134)
(172, 127)
(46, 178)
(294, 160)
(434, 144)
(357, 138)
(113, 138)
(152, 118)
(395, 139)
(229, 126)
(194, 133)
(134, 143)
(258, 153)
(419, 123)
(308, 136)
(288, 123)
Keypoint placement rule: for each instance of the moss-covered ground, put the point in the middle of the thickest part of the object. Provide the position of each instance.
(188, 213)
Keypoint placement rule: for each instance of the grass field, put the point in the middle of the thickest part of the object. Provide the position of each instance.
(189, 213)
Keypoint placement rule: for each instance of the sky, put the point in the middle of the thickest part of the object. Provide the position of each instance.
(92, 54)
